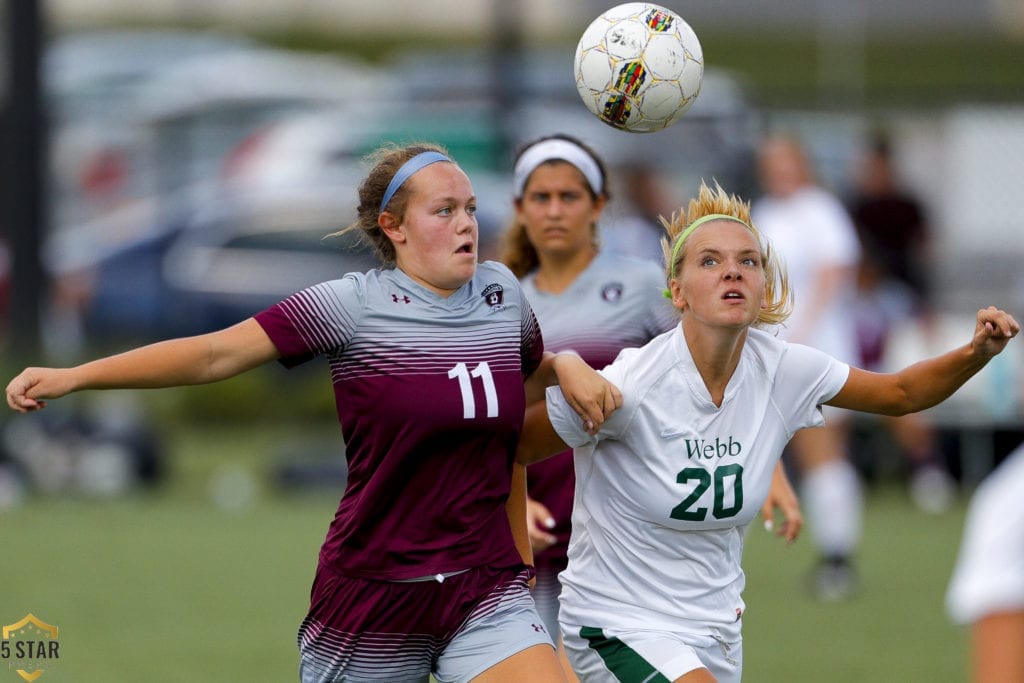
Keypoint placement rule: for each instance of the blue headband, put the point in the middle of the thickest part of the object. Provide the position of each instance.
(418, 162)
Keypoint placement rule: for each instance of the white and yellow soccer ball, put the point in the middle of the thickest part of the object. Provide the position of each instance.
(639, 67)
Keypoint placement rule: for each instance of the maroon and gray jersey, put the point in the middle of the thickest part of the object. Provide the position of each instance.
(429, 392)
(617, 302)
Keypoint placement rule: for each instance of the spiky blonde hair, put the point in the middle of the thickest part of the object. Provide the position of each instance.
(778, 295)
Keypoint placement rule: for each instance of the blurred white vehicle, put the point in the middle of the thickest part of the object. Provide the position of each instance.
(92, 81)
(151, 130)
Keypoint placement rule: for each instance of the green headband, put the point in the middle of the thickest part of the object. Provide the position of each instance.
(686, 233)
(693, 226)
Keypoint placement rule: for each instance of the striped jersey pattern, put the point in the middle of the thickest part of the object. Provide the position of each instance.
(429, 394)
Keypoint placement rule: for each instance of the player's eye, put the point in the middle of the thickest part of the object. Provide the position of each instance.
(708, 261)
(471, 209)
(444, 211)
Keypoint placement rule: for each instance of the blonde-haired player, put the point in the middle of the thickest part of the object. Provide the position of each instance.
(666, 488)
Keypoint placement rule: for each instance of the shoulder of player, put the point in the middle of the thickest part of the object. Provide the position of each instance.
(775, 355)
(639, 366)
(496, 269)
(490, 274)
(766, 347)
(638, 278)
(344, 287)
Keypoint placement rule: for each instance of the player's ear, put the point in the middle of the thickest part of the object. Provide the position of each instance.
(391, 226)
(595, 213)
(517, 204)
(676, 290)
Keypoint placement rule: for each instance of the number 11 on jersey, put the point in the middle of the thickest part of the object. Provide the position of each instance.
(465, 377)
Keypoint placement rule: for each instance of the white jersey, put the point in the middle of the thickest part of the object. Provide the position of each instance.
(665, 491)
(811, 230)
(989, 573)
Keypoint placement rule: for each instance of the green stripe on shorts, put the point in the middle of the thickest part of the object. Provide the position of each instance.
(624, 663)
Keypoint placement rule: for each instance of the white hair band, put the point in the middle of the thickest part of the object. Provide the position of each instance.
(562, 150)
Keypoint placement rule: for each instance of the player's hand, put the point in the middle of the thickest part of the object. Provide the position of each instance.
(588, 393)
(782, 497)
(27, 392)
(994, 330)
(538, 521)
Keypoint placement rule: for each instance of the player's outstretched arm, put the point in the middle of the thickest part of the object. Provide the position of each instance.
(929, 382)
(176, 362)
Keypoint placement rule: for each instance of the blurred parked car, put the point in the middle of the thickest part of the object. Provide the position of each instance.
(255, 237)
(167, 140)
(92, 81)
(245, 257)
(214, 263)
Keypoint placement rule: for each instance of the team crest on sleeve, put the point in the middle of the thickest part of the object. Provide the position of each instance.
(494, 295)
(612, 292)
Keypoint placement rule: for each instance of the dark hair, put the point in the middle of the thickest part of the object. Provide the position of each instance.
(516, 250)
(386, 162)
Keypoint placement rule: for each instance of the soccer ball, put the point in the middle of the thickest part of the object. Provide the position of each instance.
(639, 67)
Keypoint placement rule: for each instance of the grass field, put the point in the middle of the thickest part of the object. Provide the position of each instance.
(170, 586)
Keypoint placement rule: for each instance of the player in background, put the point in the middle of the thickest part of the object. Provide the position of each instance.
(667, 487)
(892, 292)
(891, 221)
(815, 239)
(987, 588)
(587, 299)
(419, 573)
(648, 196)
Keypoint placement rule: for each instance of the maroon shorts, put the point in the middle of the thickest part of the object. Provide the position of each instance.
(367, 630)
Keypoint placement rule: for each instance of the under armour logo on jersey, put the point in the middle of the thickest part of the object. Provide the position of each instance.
(612, 292)
(404, 299)
(539, 628)
(494, 295)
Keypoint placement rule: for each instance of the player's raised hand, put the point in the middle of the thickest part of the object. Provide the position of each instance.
(27, 392)
(994, 330)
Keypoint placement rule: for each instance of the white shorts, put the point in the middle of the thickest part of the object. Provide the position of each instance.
(627, 656)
